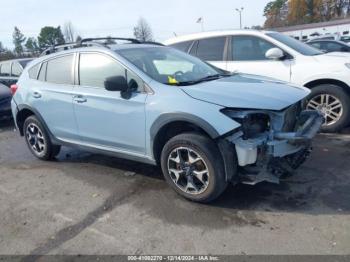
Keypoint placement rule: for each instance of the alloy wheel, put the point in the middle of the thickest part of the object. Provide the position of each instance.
(188, 170)
(35, 139)
(329, 105)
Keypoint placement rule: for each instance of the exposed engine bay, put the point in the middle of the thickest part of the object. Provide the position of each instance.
(272, 144)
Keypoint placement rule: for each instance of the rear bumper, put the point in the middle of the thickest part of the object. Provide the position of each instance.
(14, 110)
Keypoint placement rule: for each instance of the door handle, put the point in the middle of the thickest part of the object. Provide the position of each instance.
(79, 99)
(36, 95)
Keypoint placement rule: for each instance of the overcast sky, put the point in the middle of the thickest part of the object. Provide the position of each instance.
(118, 17)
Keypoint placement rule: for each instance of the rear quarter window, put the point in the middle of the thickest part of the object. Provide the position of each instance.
(211, 49)
(183, 46)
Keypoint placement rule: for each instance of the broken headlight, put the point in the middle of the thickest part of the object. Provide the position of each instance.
(252, 123)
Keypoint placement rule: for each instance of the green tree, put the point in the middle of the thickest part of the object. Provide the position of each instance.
(297, 12)
(18, 40)
(276, 13)
(50, 36)
(31, 45)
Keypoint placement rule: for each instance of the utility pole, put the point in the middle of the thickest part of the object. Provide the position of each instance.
(240, 16)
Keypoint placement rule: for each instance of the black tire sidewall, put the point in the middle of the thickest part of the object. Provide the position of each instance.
(340, 94)
(210, 154)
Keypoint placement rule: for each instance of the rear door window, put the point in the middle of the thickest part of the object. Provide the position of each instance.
(16, 70)
(211, 49)
(59, 70)
(250, 48)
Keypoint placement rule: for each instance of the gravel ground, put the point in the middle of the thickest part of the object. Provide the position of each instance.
(91, 204)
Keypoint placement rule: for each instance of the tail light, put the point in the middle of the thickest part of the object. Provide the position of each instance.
(13, 89)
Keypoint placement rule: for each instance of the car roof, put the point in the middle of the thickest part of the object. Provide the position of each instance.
(97, 48)
(209, 34)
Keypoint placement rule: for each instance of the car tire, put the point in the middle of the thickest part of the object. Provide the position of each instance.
(337, 116)
(192, 165)
(38, 140)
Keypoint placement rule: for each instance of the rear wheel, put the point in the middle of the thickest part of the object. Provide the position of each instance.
(334, 103)
(193, 167)
(38, 140)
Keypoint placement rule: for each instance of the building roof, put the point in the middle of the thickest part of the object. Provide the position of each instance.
(313, 25)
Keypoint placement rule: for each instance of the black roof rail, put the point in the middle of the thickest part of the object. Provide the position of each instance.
(92, 42)
(55, 48)
(152, 43)
(132, 40)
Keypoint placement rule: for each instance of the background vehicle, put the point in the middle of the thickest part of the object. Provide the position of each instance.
(281, 57)
(10, 71)
(329, 46)
(157, 105)
(5, 102)
(333, 37)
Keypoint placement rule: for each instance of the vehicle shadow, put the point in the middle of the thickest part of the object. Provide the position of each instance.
(320, 186)
(6, 124)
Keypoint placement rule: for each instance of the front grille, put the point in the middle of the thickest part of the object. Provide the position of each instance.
(291, 117)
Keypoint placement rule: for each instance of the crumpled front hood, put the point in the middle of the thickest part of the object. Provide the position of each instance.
(248, 91)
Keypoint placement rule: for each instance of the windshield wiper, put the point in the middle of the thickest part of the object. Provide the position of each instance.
(204, 79)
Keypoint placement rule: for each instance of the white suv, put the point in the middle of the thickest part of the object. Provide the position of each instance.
(279, 56)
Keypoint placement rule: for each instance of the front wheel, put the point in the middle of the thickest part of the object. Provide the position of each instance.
(193, 167)
(334, 103)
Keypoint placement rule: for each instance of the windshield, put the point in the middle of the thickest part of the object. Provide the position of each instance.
(295, 44)
(170, 66)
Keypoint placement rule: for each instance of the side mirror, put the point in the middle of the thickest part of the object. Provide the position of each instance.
(274, 54)
(116, 83)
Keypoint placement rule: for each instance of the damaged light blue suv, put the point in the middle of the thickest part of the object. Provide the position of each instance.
(154, 104)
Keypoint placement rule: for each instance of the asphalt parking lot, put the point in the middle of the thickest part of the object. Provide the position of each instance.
(91, 204)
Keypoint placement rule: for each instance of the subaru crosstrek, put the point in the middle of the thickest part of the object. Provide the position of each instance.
(154, 104)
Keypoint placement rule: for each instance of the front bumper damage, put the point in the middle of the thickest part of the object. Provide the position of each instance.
(275, 153)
